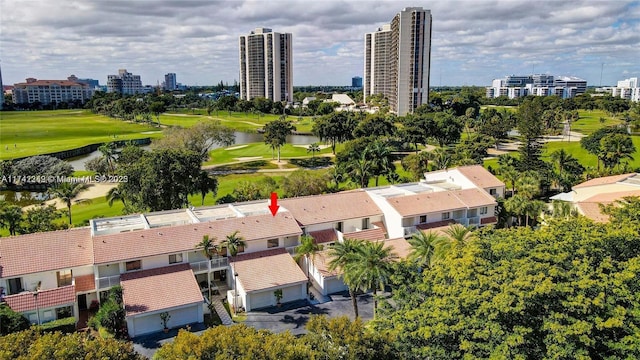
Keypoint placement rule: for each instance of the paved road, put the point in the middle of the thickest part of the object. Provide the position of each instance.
(294, 316)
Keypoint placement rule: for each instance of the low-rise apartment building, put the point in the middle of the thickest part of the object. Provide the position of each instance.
(51, 91)
(156, 259)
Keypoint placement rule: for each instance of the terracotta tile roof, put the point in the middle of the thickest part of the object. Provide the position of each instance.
(488, 220)
(369, 234)
(400, 246)
(275, 269)
(480, 176)
(324, 236)
(592, 211)
(159, 289)
(473, 198)
(46, 299)
(329, 208)
(413, 205)
(141, 243)
(85, 283)
(56, 250)
(380, 224)
(321, 263)
(604, 180)
(256, 255)
(435, 224)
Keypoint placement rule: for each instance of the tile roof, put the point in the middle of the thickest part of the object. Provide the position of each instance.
(369, 234)
(85, 283)
(56, 250)
(592, 211)
(321, 263)
(159, 289)
(435, 224)
(488, 220)
(25, 301)
(324, 236)
(380, 224)
(611, 197)
(329, 208)
(480, 176)
(142, 243)
(604, 180)
(275, 269)
(400, 247)
(425, 203)
(440, 201)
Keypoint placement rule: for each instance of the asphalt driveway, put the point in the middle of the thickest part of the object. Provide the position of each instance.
(295, 315)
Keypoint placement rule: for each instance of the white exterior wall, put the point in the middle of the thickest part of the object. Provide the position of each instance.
(151, 322)
(348, 225)
(453, 176)
(47, 279)
(393, 220)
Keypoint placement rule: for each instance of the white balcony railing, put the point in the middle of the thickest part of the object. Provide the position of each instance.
(219, 262)
(107, 282)
(200, 266)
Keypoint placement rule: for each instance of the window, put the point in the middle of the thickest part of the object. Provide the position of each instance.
(271, 243)
(133, 265)
(15, 286)
(175, 258)
(339, 226)
(446, 216)
(64, 277)
(240, 249)
(492, 192)
(365, 223)
(423, 219)
(64, 312)
(483, 210)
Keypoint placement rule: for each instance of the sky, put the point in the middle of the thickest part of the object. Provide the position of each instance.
(473, 42)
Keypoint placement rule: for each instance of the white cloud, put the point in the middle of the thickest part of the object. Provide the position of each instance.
(473, 41)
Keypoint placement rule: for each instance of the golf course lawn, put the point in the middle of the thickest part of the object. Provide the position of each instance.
(239, 121)
(27, 133)
(258, 151)
(589, 121)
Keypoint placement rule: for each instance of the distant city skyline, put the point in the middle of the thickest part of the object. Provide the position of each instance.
(473, 42)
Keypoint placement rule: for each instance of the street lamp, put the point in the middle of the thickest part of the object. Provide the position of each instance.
(235, 292)
(35, 298)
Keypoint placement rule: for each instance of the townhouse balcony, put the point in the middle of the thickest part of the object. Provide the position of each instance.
(209, 265)
(107, 282)
(474, 221)
(220, 262)
(200, 266)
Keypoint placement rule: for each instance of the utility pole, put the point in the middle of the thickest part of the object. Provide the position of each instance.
(601, 69)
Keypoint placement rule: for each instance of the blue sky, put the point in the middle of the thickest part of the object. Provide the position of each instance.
(473, 41)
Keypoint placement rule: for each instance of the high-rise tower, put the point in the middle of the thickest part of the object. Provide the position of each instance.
(397, 60)
(266, 66)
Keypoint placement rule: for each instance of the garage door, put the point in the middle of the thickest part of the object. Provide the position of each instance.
(334, 285)
(153, 323)
(293, 293)
(261, 299)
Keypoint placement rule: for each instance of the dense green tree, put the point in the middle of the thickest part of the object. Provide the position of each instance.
(199, 138)
(160, 179)
(276, 132)
(568, 291)
(592, 143)
(342, 254)
(10, 217)
(447, 128)
(37, 345)
(625, 210)
(496, 125)
(615, 148)
(423, 247)
(304, 183)
(205, 184)
(531, 129)
(416, 164)
(375, 125)
(40, 219)
(334, 128)
(41, 166)
(379, 154)
(11, 321)
(157, 108)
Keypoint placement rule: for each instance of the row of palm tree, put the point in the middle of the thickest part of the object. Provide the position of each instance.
(210, 248)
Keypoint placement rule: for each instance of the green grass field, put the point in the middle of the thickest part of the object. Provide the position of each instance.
(589, 121)
(236, 120)
(258, 151)
(27, 133)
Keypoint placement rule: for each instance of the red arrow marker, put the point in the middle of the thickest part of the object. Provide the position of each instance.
(274, 204)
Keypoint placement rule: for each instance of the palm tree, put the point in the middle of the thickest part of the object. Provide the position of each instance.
(562, 209)
(234, 243)
(108, 151)
(528, 184)
(10, 217)
(114, 195)
(209, 247)
(379, 154)
(342, 254)
(617, 147)
(516, 205)
(313, 149)
(533, 210)
(66, 192)
(510, 175)
(361, 170)
(370, 268)
(457, 237)
(423, 246)
(206, 183)
(308, 249)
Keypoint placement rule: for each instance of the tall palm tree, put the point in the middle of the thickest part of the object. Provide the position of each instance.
(66, 192)
(456, 238)
(510, 175)
(234, 243)
(560, 158)
(208, 246)
(108, 151)
(370, 269)
(617, 147)
(308, 249)
(114, 195)
(313, 149)
(533, 210)
(342, 254)
(516, 205)
(361, 170)
(379, 154)
(423, 246)
(528, 185)
(205, 184)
